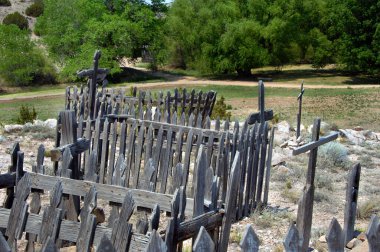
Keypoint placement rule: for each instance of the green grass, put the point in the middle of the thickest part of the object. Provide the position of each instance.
(46, 107)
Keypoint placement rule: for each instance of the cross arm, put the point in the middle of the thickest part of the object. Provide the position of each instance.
(255, 117)
(75, 148)
(90, 72)
(315, 144)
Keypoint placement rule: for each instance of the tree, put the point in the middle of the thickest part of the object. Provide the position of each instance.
(353, 26)
(21, 62)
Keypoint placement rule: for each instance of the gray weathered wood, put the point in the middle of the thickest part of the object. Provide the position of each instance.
(154, 219)
(110, 193)
(230, 210)
(167, 159)
(88, 222)
(335, 237)
(105, 245)
(122, 230)
(49, 246)
(90, 171)
(104, 157)
(292, 242)
(139, 147)
(373, 234)
(199, 190)
(12, 169)
(269, 166)
(249, 241)
(111, 164)
(76, 148)
(142, 225)
(4, 247)
(156, 244)
(315, 144)
(18, 214)
(203, 243)
(52, 216)
(352, 192)
(306, 203)
(263, 154)
(299, 98)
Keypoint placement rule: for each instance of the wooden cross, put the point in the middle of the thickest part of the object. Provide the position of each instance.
(305, 205)
(96, 74)
(299, 98)
(263, 115)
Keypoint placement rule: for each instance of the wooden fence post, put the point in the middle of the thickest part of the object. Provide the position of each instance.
(292, 241)
(299, 98)
(199, 190)
(335, 237)
(203, 243)
(249, 242)
(269, 166)
(3, 244)
(373, 234)
(156, 244)
(11, 191)
(352, 192)
(105, 245)
(230, 210)
(306, 203)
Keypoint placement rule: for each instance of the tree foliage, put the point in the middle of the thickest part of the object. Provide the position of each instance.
(238, 35)
(73, 29)
(21, 62)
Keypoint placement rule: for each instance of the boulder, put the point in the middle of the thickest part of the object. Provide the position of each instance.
(51, 123)
(324, 129)
(353, 243)
(38, 123)
(364, 247)
(355, 137)
(13, 128)
(362, 236)
(283, 127)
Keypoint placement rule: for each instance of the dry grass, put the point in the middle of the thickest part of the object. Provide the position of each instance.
(368, 208)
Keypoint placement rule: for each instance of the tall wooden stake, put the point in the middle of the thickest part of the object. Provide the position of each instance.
(299, 110)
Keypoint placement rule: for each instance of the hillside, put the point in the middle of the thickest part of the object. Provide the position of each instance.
(17, 6)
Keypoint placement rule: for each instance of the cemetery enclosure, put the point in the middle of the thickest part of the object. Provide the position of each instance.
(122, 160)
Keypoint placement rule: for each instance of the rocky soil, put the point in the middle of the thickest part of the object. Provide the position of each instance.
(287, 179)
(17, 6)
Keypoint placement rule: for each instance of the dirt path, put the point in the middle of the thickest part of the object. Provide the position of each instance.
(172, 80)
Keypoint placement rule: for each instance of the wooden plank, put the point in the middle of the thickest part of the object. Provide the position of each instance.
(352, 192)
(8, 202)
(3, 244)
(50, 246)
(263, 154)
(306, 203)
(157, 154)
(269, 166)
(249, 241)
(105, 245)
(186, 165)
(105, 147)
(88, 222)
(156, 244)
(251, 153)
(315, 144)
(335, 237)
(137, 162)
(18, 214)
(373, 234)
(243, 149)
(154, 220)
(142, 225)
(255, 166)
(230, 210)
(122, 231)
(129, 153)
(167, 159)
(111, 164)
(199, 189)
(292, 241)
(90, 172)
(203, 243)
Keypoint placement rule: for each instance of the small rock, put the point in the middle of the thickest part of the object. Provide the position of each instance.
(362, 236)
(284, 145)
(38, 123)
(362, 247)
(322, 239)
(283, 127)
(358, 128)
(13, 128)
(2, 139)
(283, 169)
(353, 243)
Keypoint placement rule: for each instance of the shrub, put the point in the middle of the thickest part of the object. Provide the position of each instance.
(21, 62)
(26, 114)
(333, 154)
(35, 10)
(16, 19)
(5, 3)
(366, 209)
(220, 110)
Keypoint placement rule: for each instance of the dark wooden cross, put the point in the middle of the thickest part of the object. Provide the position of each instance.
(263, 115)
(94, 75)
(305, 205)
(299, 98)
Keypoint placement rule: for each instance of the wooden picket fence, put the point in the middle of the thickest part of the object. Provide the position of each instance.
(118, 101)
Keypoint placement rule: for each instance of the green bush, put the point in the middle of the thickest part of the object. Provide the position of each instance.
(21, 62)
(220, 110)
(333, 154)
(17, 19)
(5, 3)
(35, 10)
(26, 114)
